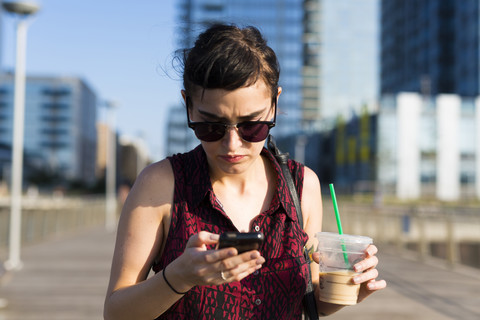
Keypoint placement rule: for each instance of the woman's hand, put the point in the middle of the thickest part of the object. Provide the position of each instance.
(199, 266)
(368, 275)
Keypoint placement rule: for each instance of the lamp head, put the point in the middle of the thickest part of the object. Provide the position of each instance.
(20, 7)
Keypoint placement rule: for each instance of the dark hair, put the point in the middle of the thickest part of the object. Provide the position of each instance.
(228, 57)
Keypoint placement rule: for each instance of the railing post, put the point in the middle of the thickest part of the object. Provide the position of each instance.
(422, 236)
(379, 225)
(452, 250)
(399, 231)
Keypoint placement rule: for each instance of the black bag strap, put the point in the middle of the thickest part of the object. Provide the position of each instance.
(282, 159)
(309, 304)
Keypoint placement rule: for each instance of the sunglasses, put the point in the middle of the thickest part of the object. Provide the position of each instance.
(250, 131)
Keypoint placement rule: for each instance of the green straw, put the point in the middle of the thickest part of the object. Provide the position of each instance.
(339, 222)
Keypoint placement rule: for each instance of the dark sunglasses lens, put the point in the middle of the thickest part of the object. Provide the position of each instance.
(209, 131)
(253, 132)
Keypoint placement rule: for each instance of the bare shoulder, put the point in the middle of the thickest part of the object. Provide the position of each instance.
(151, 197)
(310, 182)
(154, 186)
(157, 172)
(311, 201)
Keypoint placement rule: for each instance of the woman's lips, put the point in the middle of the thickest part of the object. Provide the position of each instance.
(232, 159)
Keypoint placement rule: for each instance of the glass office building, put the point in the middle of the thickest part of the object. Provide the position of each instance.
(430, 47)
(60, 117)
(341, 59)
(466, 48)
(349, 58)
(180, 138)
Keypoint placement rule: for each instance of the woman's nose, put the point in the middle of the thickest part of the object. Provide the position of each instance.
(232, 138)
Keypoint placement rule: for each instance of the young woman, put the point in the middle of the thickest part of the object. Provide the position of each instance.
(177, 208)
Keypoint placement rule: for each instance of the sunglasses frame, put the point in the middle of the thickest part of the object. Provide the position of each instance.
(193, 124)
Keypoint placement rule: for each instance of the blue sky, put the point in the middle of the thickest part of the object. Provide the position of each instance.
(118, 47)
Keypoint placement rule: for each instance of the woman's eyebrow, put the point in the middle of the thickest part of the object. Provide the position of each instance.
(215, 117)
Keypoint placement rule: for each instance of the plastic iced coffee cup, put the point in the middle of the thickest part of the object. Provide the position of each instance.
(338, 254)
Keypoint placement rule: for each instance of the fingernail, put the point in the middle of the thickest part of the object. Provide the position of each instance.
(357, 268)
(254, 255)
(371, 286)
(214, 236)
(356, 279)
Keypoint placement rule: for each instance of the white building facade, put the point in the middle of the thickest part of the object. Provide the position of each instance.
(429, 147)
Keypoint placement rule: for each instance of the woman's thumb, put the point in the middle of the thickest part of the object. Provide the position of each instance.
(202, 238)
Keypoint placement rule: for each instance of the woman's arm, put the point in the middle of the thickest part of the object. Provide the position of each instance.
(140, 235)
(312, 218)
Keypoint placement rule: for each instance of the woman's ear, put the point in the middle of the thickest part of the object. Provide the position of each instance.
(279, 91)
(184, 96)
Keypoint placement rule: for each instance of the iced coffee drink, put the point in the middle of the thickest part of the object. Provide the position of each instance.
(337, 287)
(338, 255)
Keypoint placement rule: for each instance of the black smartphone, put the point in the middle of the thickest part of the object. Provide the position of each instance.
(242, 241)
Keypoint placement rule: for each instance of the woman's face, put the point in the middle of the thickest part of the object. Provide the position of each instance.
(231, 154)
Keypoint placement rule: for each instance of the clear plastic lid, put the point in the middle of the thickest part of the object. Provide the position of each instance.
(345, 238)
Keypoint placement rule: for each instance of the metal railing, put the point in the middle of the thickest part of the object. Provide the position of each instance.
(421, 228)
(431, 230)
(43, 218)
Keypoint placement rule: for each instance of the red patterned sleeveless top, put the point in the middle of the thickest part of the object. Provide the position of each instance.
(273, 292)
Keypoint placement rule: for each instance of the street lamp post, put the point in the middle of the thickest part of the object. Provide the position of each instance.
(22, 10)
(111, 169)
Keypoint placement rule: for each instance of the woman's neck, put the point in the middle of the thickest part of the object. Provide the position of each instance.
(241, 183)
(244, 196)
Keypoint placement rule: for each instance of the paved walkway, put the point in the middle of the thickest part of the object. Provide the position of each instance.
(66, 279)
(62, 279)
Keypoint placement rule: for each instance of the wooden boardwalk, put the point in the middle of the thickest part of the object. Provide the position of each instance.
(66, 279)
